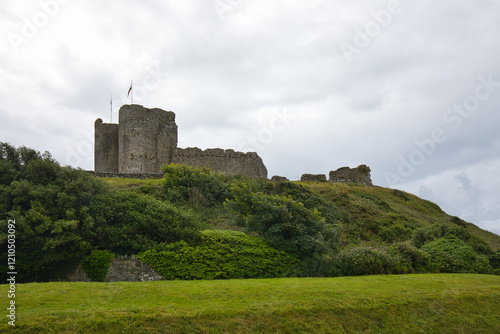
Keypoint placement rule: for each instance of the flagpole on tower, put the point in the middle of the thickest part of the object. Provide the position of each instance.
(131, 93)
(111, 112)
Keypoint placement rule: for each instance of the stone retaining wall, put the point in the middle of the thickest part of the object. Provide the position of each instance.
(128, 268)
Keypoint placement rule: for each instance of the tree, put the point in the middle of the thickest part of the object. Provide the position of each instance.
(284, 223)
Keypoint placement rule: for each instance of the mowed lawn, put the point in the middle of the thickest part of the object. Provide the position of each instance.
(430, 303)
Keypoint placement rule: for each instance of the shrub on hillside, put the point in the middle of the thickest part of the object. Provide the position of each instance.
(285, 224)
(198, 186)
(427, 234)
(50, 206)
(219, 255)
(409, 258)
(394, 232)
(361, 261)
(310, 199)
(398, 258)
(452, 255)
(128, 223)
(96, 265)
(494, 258)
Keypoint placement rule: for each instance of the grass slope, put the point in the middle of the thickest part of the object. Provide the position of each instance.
(370, 214)
(431, 303)
(365, 214)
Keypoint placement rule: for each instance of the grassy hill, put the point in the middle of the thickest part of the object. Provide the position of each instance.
(65, 216)
(181, 224)
(387, 215)
(366, 215)
(428, 303)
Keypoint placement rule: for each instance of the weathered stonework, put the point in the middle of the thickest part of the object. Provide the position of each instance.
(126, 268)
(78, 276)
(226, 161)
(313, 177)
(361, 175)
(145, 139)
(277, 178)
(126, 176)
(106, 147)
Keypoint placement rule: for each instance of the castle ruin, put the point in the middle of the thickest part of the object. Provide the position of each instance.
(146, 139)
(359, 175)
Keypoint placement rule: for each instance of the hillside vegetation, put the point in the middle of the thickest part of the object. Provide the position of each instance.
(184, 222)
(427, 303)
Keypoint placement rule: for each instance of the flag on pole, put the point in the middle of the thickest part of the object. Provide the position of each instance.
(111, 112)
(130, 89)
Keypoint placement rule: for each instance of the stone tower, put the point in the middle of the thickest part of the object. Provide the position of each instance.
(147, 139)
(105, 147)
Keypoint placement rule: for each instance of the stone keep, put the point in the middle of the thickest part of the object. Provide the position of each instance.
(145, 139)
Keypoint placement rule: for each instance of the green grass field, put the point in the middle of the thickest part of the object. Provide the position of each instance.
(451, 303)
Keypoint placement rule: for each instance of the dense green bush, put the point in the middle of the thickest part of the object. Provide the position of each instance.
(426, 234)
(197, 186)
(285, 224)
(452, 255)
(299, 193)
(96, 265)
(494, 258)
(409, 258)
(363, 261)
(394, 232)
(129, 223)
(398, 258)
(219, 255)
(50, 205)
(63, 213)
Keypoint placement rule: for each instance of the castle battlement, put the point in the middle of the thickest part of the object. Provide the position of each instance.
(145, 139)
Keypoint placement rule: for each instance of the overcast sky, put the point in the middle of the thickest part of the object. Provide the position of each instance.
(410, 88)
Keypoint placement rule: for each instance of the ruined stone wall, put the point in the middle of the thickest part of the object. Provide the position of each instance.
(226, 161)
(105, 147)
(147, 139)
(126, 176)
(277, 178)
(313, 177)
(130, 269)
(123, 268)
(361, 175)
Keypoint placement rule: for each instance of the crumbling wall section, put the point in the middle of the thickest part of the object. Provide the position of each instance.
(226, 161)
(313, 177)
(360, 174)
(278, 178)
(105, 147)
